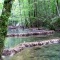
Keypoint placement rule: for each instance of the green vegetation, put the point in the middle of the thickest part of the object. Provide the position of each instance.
(35, 13)
(3, 23)
(28, 13)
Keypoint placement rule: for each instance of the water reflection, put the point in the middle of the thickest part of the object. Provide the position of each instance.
(42, 54)
(13, 41)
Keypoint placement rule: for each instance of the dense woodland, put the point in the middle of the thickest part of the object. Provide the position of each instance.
(36, 13)
(30, 14)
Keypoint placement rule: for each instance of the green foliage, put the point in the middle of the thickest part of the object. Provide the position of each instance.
(1, 5)
(56, 22)
(3, 23)
(28, 12)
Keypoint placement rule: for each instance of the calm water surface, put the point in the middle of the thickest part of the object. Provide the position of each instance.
(51, 52)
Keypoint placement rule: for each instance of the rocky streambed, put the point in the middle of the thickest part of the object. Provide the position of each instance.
(22, 46)
(32, 32)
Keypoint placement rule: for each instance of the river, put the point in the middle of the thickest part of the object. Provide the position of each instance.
(39, 54)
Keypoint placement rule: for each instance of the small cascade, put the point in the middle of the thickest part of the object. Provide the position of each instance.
(22, 46)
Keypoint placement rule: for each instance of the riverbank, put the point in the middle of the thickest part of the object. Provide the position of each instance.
(22, 46)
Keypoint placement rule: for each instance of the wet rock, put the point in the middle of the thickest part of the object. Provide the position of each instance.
(40, 44)
(35, 33)
(6, 52)
(27, 34)
(58, 41)
(51, 42)
(20, 47)
(34, 44)
(26, 45)
(30, 45)
(47, 43)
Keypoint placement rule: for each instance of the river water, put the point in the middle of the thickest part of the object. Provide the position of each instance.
(38, 54)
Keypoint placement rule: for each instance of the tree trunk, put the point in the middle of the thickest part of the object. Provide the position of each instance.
(4, 22)
(57, 8)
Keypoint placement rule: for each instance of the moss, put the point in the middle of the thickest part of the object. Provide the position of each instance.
(3, 26)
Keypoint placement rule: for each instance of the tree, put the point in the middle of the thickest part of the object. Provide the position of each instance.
(57, 7)
(4, 22)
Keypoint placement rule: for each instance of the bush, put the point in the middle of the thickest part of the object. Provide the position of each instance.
(56, 23)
